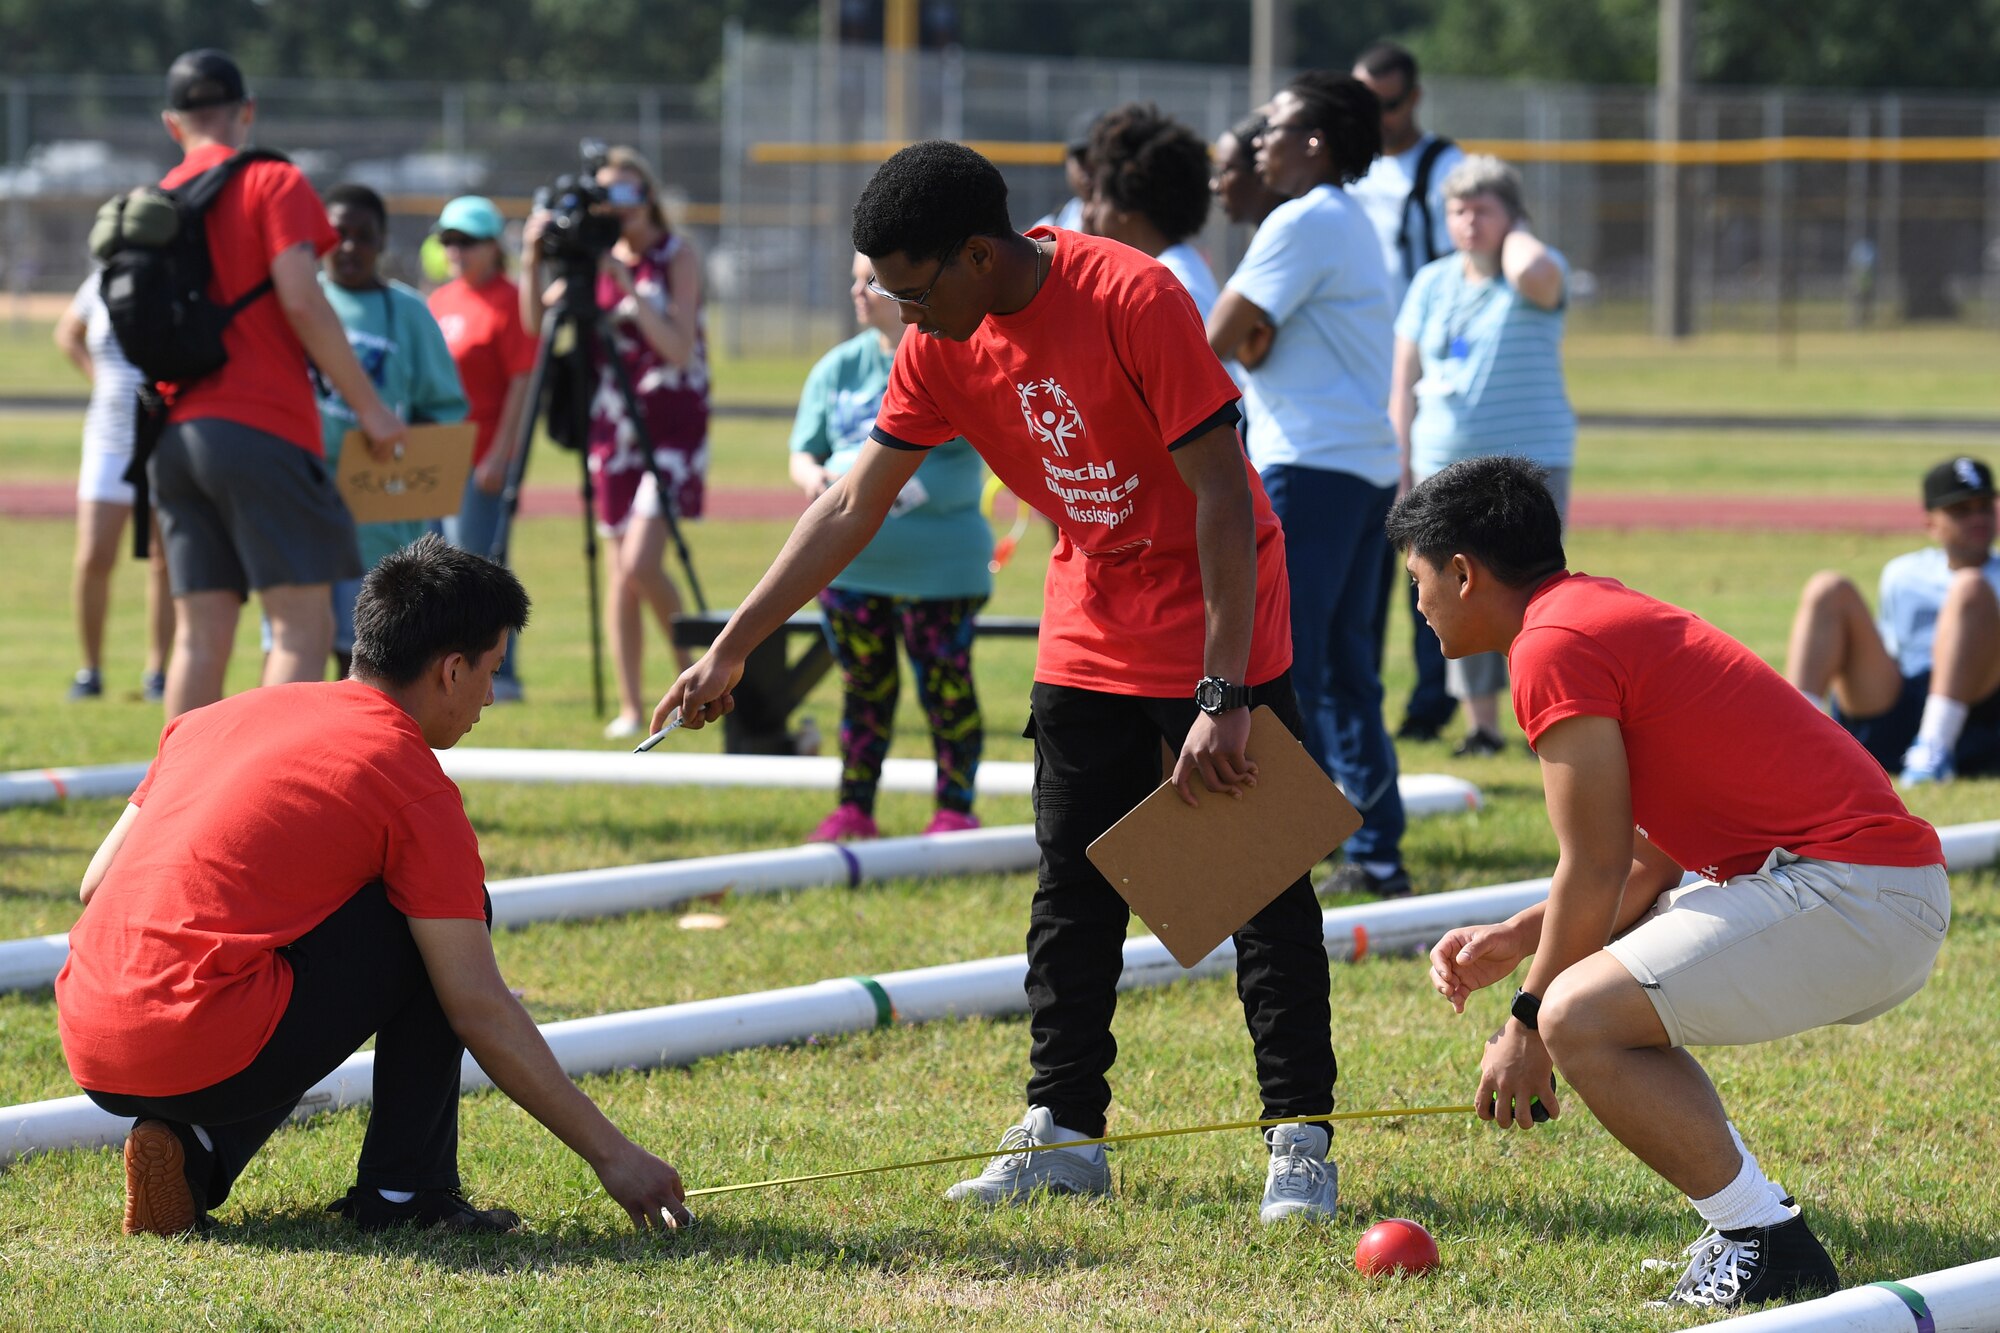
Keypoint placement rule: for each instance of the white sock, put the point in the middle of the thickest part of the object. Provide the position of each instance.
(1944, 722)
(201, 1136)
(1380, 869)
(1064, 1134)
(1750, 1158)
(1746, 1201)
(397, 1196)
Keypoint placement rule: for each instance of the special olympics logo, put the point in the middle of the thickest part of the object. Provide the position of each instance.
(1052, 418)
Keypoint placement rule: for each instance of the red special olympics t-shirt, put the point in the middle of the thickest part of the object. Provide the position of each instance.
(268, 208)
(1728, 762)
(482, 326)
(1075, 402)
(260, 816)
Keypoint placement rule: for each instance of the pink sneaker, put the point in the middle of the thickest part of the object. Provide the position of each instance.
(951, 821)
(848, 823)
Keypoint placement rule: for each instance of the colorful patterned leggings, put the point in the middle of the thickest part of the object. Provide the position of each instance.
(862, 629)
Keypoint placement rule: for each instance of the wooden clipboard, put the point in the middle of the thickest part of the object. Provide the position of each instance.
(1196, 874)
(426, 480)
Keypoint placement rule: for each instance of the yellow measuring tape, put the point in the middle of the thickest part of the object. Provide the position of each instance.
(1394, 1113)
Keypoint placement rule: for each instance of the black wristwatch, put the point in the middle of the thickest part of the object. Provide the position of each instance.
(1527, 1008)
(1216, 695)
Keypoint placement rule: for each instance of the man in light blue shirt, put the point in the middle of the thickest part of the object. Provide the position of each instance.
(1920, 687)
(1319, 434)
(1403, 195)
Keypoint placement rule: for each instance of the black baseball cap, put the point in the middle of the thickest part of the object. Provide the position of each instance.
(1957, 479)
(204, 78)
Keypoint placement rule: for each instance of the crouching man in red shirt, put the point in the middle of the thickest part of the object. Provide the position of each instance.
(1666, 746)
(295, 875)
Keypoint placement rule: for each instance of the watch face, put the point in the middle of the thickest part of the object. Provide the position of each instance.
(1208, 695)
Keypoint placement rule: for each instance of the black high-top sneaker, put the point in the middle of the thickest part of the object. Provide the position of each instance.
(1754, 1265)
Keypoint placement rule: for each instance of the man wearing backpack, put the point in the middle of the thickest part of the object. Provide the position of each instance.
(246, 502)
(1403, 195)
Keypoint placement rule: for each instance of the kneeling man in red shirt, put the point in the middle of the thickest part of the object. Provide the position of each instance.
(1668, 747)
(295, 875)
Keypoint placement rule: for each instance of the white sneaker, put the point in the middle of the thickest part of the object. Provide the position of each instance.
(1925, 763)
(622, 728)
(1014, 1175)
(1300, 1181)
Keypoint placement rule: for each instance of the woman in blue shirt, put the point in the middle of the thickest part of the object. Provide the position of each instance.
(922, 579)
(1478, 371)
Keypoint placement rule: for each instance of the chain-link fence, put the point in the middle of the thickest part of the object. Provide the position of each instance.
(1809, 210)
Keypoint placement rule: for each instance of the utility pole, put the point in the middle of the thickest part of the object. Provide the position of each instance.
(1673, 295)
(899, 45)
(1270, 46)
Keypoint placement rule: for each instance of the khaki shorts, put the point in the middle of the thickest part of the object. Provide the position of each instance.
(1798, 944)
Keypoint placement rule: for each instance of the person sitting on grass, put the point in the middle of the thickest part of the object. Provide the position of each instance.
(1921, 687)
(1078, 368)
(922, 580)
(295, 875)
(1667, 746)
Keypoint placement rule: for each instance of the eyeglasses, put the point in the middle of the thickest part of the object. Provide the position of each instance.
(1273, 128)
(1396, 103)
(918, 302)
(458, 240)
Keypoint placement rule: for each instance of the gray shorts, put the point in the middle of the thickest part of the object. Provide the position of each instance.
(1795, 945)
(1486, 673)
(241, 510)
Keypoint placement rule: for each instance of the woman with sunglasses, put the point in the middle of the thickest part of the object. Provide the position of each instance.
(1478, 371)
(480, 313)
(651, 285)
(1319, 433)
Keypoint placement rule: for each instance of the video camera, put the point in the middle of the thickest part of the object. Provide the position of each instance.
(581, 229)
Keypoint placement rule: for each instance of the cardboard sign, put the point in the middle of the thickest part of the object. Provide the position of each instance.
(1196, 874)
(425, 480)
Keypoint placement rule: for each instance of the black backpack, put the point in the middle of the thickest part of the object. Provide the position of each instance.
(153, 243)
(1419, 198)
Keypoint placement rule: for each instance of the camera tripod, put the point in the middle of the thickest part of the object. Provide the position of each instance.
(561, 388)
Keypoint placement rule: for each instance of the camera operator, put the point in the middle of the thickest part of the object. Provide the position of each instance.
(650, 284)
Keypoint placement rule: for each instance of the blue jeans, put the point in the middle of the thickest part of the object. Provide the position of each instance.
(477, 527)
(1334, 551)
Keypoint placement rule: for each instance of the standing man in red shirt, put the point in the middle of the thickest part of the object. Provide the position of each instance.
(239, 477)
(1667, 747)
(1080, 371)
(295, 875)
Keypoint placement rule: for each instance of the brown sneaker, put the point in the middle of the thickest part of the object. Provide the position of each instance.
(158, 1199)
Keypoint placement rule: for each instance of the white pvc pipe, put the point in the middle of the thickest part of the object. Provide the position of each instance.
(683, 1033)
(42, 786)
(680, 1034)
(1423, 793)
(588, 894)
(1965, 1299)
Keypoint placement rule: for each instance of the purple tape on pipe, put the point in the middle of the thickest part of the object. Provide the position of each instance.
(853, 866)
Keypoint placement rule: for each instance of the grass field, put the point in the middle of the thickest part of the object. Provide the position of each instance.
(1885, 1130)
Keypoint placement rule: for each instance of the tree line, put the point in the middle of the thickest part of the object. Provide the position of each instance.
(1916, 44)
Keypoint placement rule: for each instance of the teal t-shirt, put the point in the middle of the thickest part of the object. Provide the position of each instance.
(935, 544)
(398, 342)
(1493, 380)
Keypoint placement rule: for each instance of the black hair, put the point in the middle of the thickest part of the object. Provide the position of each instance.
(927, 200)
(428, 600)
(357, 196)
(1497, 510)
(1147, 163)
(1245, 132)
(1349, 117)
(1386, 58)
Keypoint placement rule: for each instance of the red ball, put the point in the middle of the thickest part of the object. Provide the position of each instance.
(1395, 1246)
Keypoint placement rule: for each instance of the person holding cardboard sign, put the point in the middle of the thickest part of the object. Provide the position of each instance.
(1078, 368)
(398, 343)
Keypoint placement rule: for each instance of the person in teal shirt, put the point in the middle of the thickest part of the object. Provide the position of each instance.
(922, 579)
(399, 344)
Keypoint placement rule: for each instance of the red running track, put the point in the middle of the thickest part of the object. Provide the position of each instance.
(1671, 513)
